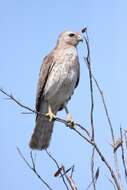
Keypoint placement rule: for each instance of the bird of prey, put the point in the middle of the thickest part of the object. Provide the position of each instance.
(59, 76)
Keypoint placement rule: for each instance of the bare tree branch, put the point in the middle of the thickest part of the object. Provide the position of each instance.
(56, 163)
(91, 76)
(92, 168)
(88, 63)
(11, 97)
(112, 183)
(60, 169)
(95, 178)
(105, 107)
(72, 171)
(33, 162)
(125, 137)
(112, 131)
(33, 168)
(72, 183)
(123, 156)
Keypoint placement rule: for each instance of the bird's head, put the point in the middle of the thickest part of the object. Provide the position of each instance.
(69, 38)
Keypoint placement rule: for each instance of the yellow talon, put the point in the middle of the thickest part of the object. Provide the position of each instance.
(50, 114)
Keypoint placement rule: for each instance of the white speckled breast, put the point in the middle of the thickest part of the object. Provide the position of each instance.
(63, 77)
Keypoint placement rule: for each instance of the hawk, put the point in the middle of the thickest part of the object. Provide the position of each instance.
(59, 76)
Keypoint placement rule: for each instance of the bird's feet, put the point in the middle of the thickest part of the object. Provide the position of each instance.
(50, 114)
(70, 121)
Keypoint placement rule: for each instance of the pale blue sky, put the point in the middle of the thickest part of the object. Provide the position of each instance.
(28, 31)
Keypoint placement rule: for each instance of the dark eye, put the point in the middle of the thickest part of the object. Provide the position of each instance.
(71, 34)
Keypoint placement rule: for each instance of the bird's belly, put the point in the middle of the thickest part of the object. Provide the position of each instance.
(61, 86)
(63, 91)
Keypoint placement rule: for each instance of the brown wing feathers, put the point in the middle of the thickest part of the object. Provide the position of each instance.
(43, 76)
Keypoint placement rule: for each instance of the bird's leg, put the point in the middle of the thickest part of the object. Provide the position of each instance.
(50, 114)
(70, 120)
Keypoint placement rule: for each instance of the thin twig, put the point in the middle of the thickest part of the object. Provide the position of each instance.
(105, 107)
(92, 168)
(125, 137)
(72, 171)
(11, 97)
(70, 180)
(56, 163)
(33, 169)
(111, 129)
(123, 156)
(88, 63)
(112, 183)
(33, 163)
(108, 166)
(95, 179)
(69, 169)
(102, 158)
(82, 128)
(72, 183)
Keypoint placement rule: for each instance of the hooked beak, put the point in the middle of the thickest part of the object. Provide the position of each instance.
(80, 38)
